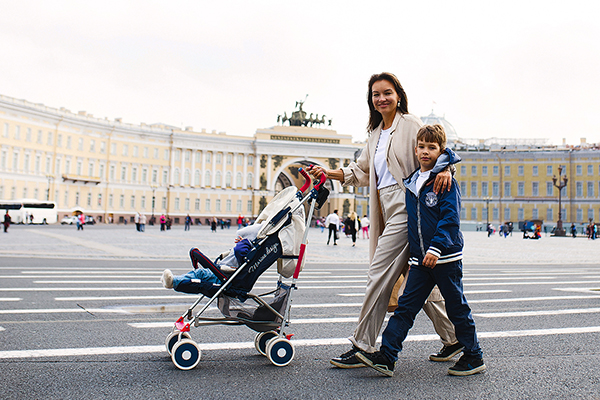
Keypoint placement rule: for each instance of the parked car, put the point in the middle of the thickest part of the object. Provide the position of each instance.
(89, 220)
(69, 220)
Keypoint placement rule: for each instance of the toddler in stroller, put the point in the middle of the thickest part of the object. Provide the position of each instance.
(208, 273)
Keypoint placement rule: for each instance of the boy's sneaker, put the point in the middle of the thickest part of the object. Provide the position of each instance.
(467, 365)
(348, 359)
(447, 352)
(378, 361)
(167, 279)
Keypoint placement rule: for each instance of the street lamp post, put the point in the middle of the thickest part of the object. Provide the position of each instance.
(50, 178)
(153, 202)
(559, 231)
(487, 211)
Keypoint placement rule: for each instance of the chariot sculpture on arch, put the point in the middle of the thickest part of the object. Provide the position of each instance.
(299, 118)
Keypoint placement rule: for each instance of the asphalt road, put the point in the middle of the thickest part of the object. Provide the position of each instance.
(84, 315)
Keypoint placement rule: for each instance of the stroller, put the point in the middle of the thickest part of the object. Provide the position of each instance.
(281, 239)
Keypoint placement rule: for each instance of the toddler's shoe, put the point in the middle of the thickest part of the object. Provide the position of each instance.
(167, 279)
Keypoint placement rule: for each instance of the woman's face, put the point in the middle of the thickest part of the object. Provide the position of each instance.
(384, 97)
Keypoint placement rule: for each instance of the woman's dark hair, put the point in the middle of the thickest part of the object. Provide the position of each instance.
(375, 116)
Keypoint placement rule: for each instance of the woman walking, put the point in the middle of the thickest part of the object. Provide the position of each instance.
(387, 158)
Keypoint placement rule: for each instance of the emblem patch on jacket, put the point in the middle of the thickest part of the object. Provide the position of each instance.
(431, 199)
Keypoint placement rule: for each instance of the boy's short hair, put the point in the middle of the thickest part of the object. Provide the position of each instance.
(433, 134)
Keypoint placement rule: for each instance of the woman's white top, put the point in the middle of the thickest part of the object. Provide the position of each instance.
(384, 177)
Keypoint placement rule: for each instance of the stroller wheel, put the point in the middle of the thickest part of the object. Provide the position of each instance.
(261, 339)
(186, 354)
(173, 338)
(280, 351)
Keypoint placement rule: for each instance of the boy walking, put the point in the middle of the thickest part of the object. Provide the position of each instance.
(435, 258)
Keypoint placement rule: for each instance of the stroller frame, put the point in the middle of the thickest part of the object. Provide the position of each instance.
(271, 341)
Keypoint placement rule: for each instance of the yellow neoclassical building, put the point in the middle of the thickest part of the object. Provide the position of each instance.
(111, 169)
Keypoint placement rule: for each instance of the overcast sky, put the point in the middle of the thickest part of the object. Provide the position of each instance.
(509, 69)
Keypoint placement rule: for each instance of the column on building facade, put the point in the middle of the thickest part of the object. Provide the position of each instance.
(203, 169)
(224, 171)
(193, 168)
(245, 172)
(269, 173)
(172, 171)
(256, 171)
(234, 173)
(213, 174)
(182, 170)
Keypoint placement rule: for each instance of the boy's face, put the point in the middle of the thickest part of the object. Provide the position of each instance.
(427, 154)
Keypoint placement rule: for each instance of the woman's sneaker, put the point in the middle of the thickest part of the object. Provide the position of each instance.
(378, 361)
(447, 352)
(167, 279)
(348, 359)
(467, 365)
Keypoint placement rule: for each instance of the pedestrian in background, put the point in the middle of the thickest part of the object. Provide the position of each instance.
(80, 221)
(163, 222)
(332, 222)
(188, 222)
(365, 226)
(143, 222)
(6, 222)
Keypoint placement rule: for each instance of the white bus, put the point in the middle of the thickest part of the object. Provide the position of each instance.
(20, 211)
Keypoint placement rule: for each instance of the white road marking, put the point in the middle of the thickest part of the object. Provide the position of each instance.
(90, 351)
(465, 292)
(538, 313)
(531, 283)
(65, 310)
(521, 299)
(107, 298)
(2, 329)
(73, 289)
(11, 299)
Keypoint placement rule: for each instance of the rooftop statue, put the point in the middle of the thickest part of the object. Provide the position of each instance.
(299, 118)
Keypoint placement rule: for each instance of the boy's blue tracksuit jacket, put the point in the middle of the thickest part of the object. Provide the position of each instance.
(434, 220)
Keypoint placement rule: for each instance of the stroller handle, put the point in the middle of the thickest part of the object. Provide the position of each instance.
(321, 182)
(306, 180)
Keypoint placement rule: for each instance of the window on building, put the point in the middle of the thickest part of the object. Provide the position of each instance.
(507, 214)
(507, 170)
(186, 204)
(495, 213)
(135, 151)
(134, 174)
(197, 178)
(125, 149)
(484, 189)
(208, 157)
(463, 170)
(17, 132)
(76, 196)
(28, 135)
(238, 180)
(113, 149)
(228, 205)
(521, 170)
(520, 214)
(495, 189)
(207, 181)
(178, 155)
(474, 170)
(144, 175)
(91, 169)
(6, 130)
(197, 204)
(549, 188)
(188, 155)
(50, 141)
(239, 159)
(463, 213)
(166, 154)
(218, 178)
(590, 214)
(250, 160)
(590, 169)
(207, 205)
(219, 158)
(156, 153)
(132, 202)
(102, 147)
(143, 202)
(89, 200)
(495, 170)
(579, 215)
(229, 159)
(165, 177)
(590, 189)
(228, 179)
(473, 189)
(112, 172)
(164, 203)
(123, 174)
(473, 213)
(186, 177)
(154, 176)
(507, 192)
(198, 156)
(521, 189)
(250, 180)
(176, 203)
(39, 137)
(534, 213)
(78, 168)
(549, 170)
(549, 215)
(176, 176)
(579, 170)
(484, 169)
(92, 145)
(579, 189)
(249, 206)
(218, 205)
(145, 152)
(484, 213)
(463, 188)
